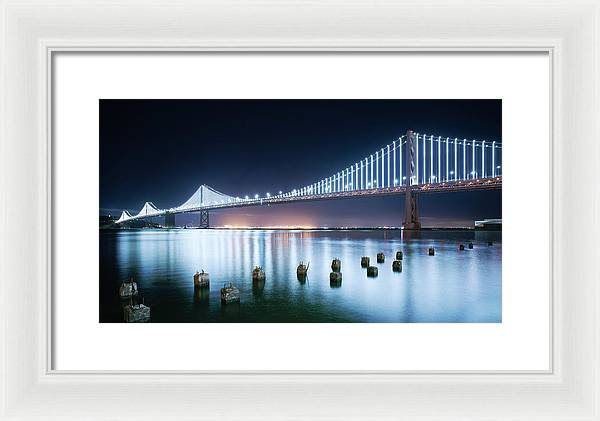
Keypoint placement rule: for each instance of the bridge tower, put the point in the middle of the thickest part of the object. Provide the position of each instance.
(204, 219)
(170, 220)
(411, 209)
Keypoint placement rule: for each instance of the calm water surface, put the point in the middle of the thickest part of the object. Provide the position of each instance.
(452, 286)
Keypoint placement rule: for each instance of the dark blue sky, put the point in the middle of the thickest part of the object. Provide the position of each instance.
(162, 150)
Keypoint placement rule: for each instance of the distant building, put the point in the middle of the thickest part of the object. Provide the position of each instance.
(489, 225)
(107, 222)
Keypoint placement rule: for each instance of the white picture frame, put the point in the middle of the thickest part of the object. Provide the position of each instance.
(32, 31)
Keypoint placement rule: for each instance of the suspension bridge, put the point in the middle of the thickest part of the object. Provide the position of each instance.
(412, 165)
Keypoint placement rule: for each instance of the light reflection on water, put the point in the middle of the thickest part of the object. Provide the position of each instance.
(452, 286)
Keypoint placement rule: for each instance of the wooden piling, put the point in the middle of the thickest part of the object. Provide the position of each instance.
(230, 294)
(335, 278)
(138, 313)
(372, 271)
(336, 265)
(302, 269)
(258, 274)
(128, 288)
(201, 279)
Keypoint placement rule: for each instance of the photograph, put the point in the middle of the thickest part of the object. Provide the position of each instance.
(300, 210)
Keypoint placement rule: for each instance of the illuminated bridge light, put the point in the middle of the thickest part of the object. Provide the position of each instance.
(416, 175)
(400, 156)
(455, 158)
(493, 159)
(376, 167)
(388, 166)
(382, 170)
(394, 162)
(424, 160)
(431, 158)
(447, 159)
(483, 159)
(464, 159)
(371, 182)
(439, 155)
(473, 149)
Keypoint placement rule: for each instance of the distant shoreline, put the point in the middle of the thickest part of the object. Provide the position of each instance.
(305, 229)
(341, 228)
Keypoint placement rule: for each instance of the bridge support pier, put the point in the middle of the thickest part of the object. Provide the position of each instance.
(411, 207)
(411, 212)
(170, 220)
(204, 219)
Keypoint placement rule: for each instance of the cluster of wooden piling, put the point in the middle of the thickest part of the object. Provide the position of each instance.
(335, 276)
(229, 292)
(139, 312)
(372, 271)
(397, 264)
(365, 262)
(133, 310)
(461, 246)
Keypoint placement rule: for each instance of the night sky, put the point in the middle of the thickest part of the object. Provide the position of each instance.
(162, 150)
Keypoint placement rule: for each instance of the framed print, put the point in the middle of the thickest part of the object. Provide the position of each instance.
(389, 211)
